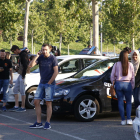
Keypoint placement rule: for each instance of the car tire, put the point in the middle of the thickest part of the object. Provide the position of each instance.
(86, 108)
(29, 102)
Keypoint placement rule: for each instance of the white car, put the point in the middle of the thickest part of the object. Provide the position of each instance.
(68, 65)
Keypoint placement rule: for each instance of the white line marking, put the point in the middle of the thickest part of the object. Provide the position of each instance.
(48, 129)
(15, 119)
(66, 134)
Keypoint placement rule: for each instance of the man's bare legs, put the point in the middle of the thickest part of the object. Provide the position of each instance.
(23, 101)
(16, 100)
(49, 111)
(38, 110)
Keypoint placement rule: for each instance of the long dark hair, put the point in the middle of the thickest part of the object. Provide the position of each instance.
(124, 61)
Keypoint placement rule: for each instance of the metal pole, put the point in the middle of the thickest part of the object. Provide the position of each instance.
(68, 50)
(25, 44)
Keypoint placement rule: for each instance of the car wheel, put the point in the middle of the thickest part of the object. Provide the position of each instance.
(29, 102)
(86, 108)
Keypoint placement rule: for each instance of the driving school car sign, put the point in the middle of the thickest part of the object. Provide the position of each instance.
(108, 85)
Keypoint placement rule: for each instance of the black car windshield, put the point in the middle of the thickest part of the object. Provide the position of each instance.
(95, 70)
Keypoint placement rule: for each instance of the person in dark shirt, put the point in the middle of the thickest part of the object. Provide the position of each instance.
(48, 66)
(5, 71)
(20, 82)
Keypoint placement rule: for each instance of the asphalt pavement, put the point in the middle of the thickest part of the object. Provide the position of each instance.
(15, 126)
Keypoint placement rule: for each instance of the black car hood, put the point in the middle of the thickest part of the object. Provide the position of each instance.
(71, 81)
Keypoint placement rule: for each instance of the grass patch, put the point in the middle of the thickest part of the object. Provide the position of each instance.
(74, 48)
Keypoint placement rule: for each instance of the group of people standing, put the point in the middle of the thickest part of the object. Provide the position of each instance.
(48, 66)
(126, 76)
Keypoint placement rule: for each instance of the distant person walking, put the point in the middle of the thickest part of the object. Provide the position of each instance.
(89, 46)
(48, 71)
(5, 73)
(123, 76)
(135, 59)
(20, 82)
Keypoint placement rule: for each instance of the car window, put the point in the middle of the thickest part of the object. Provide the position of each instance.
(87, 62)
(96, 70)
(69, 66)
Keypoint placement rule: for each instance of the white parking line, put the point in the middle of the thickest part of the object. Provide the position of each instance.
(48, 129)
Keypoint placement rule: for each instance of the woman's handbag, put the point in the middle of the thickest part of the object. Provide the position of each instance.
(112, 89)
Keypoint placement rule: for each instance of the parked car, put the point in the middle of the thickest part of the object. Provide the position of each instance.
(85, 94)
(68, 65)
(90, 51)
(109, 54)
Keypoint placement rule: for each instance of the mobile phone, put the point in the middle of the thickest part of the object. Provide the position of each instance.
(40, 52)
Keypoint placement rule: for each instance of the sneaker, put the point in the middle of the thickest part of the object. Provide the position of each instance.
(14, 109)
(36, 125)
(123, 122)
(4, 108)
(21, 110)
(47, 125)
(129, 121)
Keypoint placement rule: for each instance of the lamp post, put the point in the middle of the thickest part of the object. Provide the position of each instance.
(25, 42)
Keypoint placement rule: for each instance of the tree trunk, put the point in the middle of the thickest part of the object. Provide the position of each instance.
(114, 49)
(68, 50)
(95, 12)
(25, 44)
(32, 41)
(11, 42)
(133, 44)
(43, 38)
(60, 42)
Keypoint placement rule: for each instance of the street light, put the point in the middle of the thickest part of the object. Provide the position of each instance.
(25, 42)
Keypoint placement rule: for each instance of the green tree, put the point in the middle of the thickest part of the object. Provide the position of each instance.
(123, 17)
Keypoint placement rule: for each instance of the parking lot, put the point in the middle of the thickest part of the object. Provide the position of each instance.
(106, 127)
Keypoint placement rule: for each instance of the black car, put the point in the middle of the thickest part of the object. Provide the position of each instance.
(86, 94)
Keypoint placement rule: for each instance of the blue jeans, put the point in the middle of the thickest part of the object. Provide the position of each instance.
(124, 89)
(4, 85)
(45, 91)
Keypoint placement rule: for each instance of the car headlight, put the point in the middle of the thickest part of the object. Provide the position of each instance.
(62, 92)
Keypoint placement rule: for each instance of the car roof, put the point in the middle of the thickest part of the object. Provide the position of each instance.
(80, 56)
